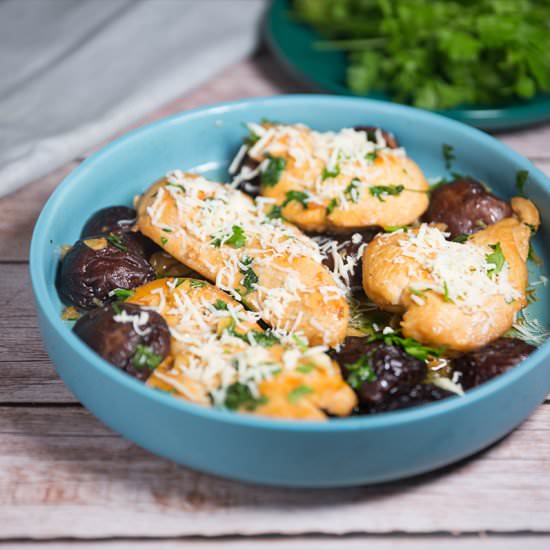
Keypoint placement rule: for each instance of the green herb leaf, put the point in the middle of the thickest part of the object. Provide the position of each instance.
(410, 345)
(163, 241)
(496, 258)
(167, 230)
(237, 238)
(239, 396)
(462, 238)
(333, 203)
(306, 368)
(416, 292)
(371, 157)
(121, 294)
(379, 191)
(179, 282)
(351, 192)
(394, 228)
(446, 297)
(330, 173)
(197, 283)
(265, 339)
(117, 242)
(359, 372)
(521, 180)
(298, 392)
(273, 171)
(276, 213)
(220, 305)
(250, 278)
(448, 155)
(144, 356)
(298, 196)
(302, 346)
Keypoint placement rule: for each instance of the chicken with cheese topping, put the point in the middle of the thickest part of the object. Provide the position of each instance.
(458, 295)
(265, 263)
(337, 181)
(221, 356)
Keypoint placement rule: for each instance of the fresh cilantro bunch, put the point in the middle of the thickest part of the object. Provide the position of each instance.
(438, 54)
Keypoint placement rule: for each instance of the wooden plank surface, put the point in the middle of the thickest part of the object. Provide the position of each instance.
(75, 478)
(63, 475)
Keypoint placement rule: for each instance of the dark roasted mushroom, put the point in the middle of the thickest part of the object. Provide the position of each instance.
(94, 267)
(376, 370)
(475, 367)
(465, 206)
(407, 396)
(129, 337)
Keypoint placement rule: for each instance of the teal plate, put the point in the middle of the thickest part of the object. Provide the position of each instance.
(292, 43)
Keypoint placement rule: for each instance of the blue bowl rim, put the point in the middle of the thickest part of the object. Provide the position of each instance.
(39, 247)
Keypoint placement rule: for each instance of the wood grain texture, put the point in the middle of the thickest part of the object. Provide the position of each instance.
(486, 542)
(59, 463)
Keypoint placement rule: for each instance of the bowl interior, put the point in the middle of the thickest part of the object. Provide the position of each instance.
(205, 141)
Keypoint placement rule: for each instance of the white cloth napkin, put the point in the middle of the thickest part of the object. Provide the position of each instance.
(74, 72)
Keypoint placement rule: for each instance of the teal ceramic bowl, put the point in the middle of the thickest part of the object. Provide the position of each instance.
(342, 452)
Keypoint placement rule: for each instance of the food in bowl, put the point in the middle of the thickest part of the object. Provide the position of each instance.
(326, 278)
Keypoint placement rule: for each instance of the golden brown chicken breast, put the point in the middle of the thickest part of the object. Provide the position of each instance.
(459, 295)
(221, 356)
(338, 181)
(265, 263)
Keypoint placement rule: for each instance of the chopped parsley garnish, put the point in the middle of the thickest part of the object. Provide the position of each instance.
(333, 203)
(179, 282)
(163, 241)
(379, 191)
(144, 356)
(121, 293)
(496, 258)
(302, 346)
(252, 137)
(351, 192)
(371, 157)
(446, 297)
(237, 239)
(521, 180)
(394, 228)
(416, 292)
(250, 278)
(265, 339)
(448, 155)
(298, 392)
(462, 238)
(167, 230)
(239, 396)
(197, 283)
(273, 171)
(306, 368)
(177, 186)
(117, 242)
(298, 196)
(328, 173)
(410, 345)
(359, 372)
(275, 213)
(220, 305)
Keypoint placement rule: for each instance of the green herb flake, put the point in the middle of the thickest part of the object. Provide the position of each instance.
(237, 238)
(298, 392)
(359, 372)
(394, 228)
(521, 180)
(220, 305)
(446, 297)
(379, 191)
(448, 155)
(179, 282)
(496, 258)
(328, 173)
(163, 241)
(116, 308)
(351, 192)
(273, 171)
(144, 356)
(371, 157)
(333, 203)
(462, 238)
(416, 292)
(276, 213)
(306, 368)
(122, 294)
(117, 242)
(197, 283)
(410, 345)
(250, 278)
(300, 343)
(265, 339)
(239, 396)
(298, 196)
(167, 230)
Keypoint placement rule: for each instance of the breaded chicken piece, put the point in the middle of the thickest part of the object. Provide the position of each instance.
(461, 296)
(337, 181)
(220, 355)
(267, 264)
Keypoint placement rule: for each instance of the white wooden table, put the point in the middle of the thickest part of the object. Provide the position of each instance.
(67, 479)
